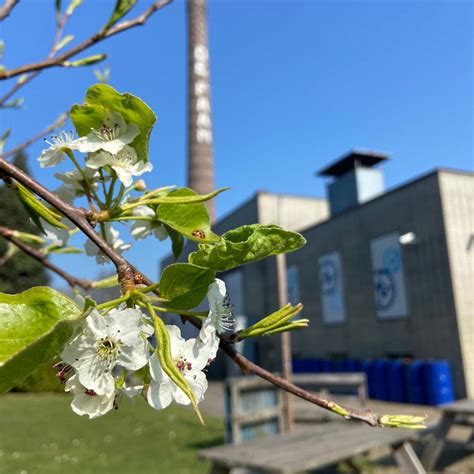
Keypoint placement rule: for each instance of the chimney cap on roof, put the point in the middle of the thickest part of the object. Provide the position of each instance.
(353, 159)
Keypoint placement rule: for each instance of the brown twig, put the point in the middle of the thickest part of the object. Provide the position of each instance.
(59, 121)
(76, 215)
(7, 8)
(130, 275)
(25, 79)
(96, 38)
(42, 257)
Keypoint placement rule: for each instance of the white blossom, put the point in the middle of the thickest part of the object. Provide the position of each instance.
(219, 319)
(190, 362)
(142, 228)
(117, 339)
(54, 155)
(87, 401)
(74, 184)
(125, 163)
(55, 235)
(112, 137)
(111, 235)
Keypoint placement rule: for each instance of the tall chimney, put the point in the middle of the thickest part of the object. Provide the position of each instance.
(200, 161)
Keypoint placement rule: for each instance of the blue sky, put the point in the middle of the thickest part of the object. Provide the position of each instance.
(295, 84)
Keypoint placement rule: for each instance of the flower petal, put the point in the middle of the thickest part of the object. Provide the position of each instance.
(159, 394)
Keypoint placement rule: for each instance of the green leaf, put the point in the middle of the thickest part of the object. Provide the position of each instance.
(64, 42)
(89, 61)
(177, 242)
(59, 249)
(14, 104)
(184, 285)
(191, 220)
(37, 209)
(57, 7)
(34, 326)
(246, 244)
(102, 98)
(163, 352)
(122, 7)
(72, 6)
(4, 138)
(186, 198)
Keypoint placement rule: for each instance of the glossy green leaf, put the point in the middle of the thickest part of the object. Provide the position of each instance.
(184, 285)
(122, 7)
(177, 242)
(34, 326)
(102, 98)
(191, 220)
(246, 244)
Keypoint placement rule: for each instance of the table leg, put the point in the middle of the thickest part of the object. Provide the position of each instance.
(407, 460)
(435, 445)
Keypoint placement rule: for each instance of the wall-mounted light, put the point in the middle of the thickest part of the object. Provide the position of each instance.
(407, 239)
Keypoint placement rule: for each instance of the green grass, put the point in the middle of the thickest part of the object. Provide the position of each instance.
(39, 434)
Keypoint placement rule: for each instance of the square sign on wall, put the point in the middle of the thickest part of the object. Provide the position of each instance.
(331, 287)
(389, 280)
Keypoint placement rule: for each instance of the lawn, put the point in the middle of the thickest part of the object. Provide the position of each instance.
(39, 434)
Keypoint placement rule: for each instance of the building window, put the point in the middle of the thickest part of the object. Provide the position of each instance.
(292, 283)
(331, 288)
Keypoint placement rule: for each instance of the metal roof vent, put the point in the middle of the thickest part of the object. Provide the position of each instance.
(355, 180)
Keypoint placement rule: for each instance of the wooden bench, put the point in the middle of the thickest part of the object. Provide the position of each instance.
(459, 412)
(349, 381)
(320, 446)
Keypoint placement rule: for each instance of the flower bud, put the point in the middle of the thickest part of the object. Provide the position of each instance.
(140, 185)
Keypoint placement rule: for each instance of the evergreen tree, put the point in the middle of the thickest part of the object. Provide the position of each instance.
(21, 271)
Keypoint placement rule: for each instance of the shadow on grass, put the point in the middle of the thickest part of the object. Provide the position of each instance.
(207, 443)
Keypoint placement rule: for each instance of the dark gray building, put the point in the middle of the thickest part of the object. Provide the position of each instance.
(384, 273)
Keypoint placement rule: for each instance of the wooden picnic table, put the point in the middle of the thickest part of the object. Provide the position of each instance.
(451, 414)
(308, 449)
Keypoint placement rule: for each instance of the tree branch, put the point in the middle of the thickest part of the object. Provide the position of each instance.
(77, 216)
(96, 38)
(58, 123)
(42, 257)
(128, 273)
(7, 8)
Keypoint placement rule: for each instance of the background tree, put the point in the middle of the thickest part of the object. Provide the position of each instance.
(21, 271)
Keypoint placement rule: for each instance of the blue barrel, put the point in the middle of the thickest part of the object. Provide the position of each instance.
(438, 383)
(353, 365)
(338, 365)
(314, 365)
(327, 365)
(381, 379)
(307, 365)
(369, 368)
(396, 382)
(298, 365)
(414, 383)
